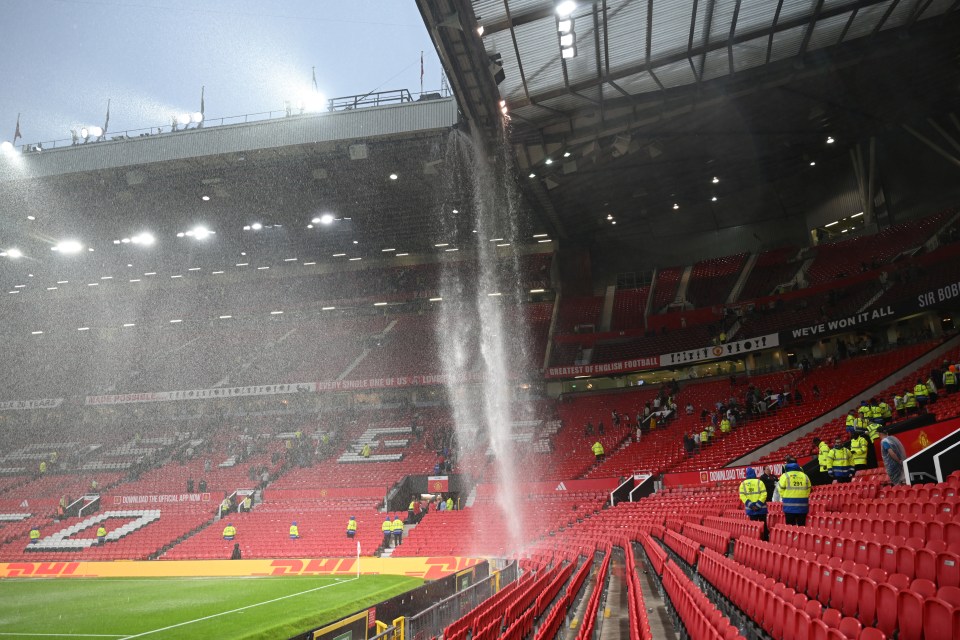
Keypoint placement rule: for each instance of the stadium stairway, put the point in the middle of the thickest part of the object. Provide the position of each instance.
(928, 359)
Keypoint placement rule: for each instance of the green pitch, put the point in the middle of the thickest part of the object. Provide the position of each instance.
(234, 608)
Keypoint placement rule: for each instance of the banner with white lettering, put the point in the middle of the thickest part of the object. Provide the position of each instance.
(602, 368)
(387, 383)
(710, 476)
(177, 498)
(725, 350)
(203, 394)
(22, 405)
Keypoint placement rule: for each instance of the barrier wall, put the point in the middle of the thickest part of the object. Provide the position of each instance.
(427, 568)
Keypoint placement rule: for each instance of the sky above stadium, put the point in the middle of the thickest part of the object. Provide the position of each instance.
(62, 60)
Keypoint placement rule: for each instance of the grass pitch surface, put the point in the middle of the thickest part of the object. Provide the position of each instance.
(235, 608)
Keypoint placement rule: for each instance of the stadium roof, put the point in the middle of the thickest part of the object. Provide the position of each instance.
(662, 96)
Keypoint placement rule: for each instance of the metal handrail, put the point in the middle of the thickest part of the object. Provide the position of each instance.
(345, 103)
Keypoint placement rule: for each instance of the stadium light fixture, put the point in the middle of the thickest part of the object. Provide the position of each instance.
(225, 317)
(276, 313)
(480, 30)
(393, 176)
(537, 290)
(6, 147)
(532, 175)
(565, 8)
(256, 226)
(436, 299)
(379, 304)
(31, 218)
(544, 235)
(83, 328)
(400, 255)
(675, 206)
(830, 140)
(35, 333)
(442, 244)
(145, 239)
(12, 253)
(67, 247)
(813, 163)
(196, 117)
(205, 198)
(387, 250)
(566, 40)
(339, 255)
(327, 308)
(504, 244)
(857, 215)
(564, 26)
(198, 233)
(568, 53)
(713, 199)
(566, 154)
(715, 180)
(129, 324)
(546, 240)
(355, 259)
(548, 161)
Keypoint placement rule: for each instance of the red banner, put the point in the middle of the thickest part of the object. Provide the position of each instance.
(178, 498)
(711, 476)
(438, 484)
(623, 366)
(922, 437)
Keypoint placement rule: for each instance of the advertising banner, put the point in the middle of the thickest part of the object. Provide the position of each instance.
(203, 394)
(388, 383)
(22, 405)
(603, 368)
(319, 494)
(180, 498)
(711, 476)
(429, 568)
(725, 350)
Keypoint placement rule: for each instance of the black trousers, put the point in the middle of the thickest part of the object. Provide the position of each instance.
(797, 519)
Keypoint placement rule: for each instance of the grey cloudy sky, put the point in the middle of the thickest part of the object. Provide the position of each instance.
(61, 60)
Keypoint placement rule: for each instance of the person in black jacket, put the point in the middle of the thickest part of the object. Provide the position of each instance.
(236, 552)
(769, 480)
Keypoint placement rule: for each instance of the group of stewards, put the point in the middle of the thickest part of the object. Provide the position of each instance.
(392, 531)
(792, 489)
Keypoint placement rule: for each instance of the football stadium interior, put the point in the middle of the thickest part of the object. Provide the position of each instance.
(645, 328)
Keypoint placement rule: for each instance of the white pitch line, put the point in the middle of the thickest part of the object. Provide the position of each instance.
(64, 635)
(249, 606)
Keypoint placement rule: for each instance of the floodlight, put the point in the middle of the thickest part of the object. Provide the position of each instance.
(68, 246)
(184, 119)
(6, 146)
(96, 132)
(566, 40)
(568, 53)
(564, 26)
(200, 233)
(675, 206)
(145, 238)
(830, 140)
(196, 117)
(715, 180)
(393, 176)
(84, 133)
(326, 218)
(205, 198)
(256, 226)
(13, 254)
(564, 9)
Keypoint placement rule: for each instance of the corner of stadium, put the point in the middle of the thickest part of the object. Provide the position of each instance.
(644, 327)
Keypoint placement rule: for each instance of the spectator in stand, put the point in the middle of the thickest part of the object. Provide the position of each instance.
(449, 503)
(794, 490)
(932, 389)
(689, 409)
(229, 532)
(910, 404)
(597, 449)
(816, 391)
(34, 535)
(600, 428)
(225, 507)
(387, 530)
(769, 481)
(753, 494)
(294, 531)
(352, 526)
(236, 555)
(695, 437)
(365, 452)
(397, 529)
(725, 426)
(189, 485)
(950, 379)
(893, 453)
(202, 487)
(247, 503)
(588, 428)
(688, 444)
(411, 509)
(841, 462)
(101, 534)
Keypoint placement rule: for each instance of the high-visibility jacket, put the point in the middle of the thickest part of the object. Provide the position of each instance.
(724, 426)
(294, 531)
(351, 525)
(823, 456)
(225, 505)
(397, 527)
(754, 494)
(794, 487)
(410, 508)
(909, 401)
(851, 420)
(872, 431)
(34, 534)
(43, 467)
(858, 447)
(387, 526)
(704, 436)
(229, 531)
(885, 410)
(876, 412)
(841, 462)
(898, 402)
(101, 532)
(449, 504)
(949, 378)
(597, 448)
(920, 390)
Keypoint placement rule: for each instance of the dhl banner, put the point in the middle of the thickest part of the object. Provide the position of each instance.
(427, 568)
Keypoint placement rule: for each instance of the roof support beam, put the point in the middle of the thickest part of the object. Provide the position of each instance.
(733, 31)
(809, 31)
(516, 50)
(883, 19)
(933, 146)
(917, 13)
(773, 29)
(706, 39)
(700, 50)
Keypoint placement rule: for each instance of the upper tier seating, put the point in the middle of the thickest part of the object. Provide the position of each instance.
(575, 312)
(628, 308)
(665, 287)
(712, 280)
(772, 268)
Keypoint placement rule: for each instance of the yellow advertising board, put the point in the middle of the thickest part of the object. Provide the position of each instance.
(429, 568)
